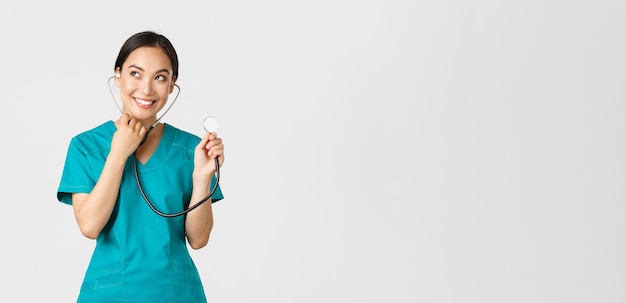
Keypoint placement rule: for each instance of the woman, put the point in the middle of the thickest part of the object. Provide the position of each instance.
(139, 255)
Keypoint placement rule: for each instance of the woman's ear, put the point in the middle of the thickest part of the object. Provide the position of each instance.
(117, 77)
(172, 84)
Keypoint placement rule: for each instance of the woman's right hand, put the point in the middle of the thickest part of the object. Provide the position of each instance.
(128, 136)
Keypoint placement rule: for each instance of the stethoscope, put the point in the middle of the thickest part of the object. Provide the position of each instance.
(209, 124)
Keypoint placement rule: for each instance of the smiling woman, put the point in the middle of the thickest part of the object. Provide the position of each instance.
(139, 255)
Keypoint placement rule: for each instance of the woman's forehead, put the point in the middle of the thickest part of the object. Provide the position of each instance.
(148, 58)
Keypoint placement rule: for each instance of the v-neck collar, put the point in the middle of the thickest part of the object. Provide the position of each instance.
(161, 150)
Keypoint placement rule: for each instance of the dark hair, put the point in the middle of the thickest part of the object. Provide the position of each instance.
(147, 38)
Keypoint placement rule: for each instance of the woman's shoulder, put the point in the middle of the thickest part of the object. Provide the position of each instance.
(97, 135)
(182, 136)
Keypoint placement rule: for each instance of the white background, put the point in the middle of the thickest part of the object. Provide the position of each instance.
(377, 151)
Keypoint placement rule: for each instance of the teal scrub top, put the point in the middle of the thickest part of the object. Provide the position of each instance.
(139, 256)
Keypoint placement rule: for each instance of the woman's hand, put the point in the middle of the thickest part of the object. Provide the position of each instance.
(209, 148)
(128, 136)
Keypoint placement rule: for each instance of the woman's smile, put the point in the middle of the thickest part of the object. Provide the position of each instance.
(144, 103)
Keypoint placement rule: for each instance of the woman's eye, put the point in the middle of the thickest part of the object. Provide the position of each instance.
(162, 78)
(134, 74)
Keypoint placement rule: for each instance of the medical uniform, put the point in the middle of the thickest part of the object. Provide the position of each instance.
(139, 255)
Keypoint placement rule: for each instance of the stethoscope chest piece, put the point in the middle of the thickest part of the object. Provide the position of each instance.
(210, 124)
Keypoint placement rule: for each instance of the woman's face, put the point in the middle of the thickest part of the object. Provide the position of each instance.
(145, 82)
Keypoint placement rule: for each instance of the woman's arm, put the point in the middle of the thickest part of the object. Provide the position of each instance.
(199, 222)
(93, 210)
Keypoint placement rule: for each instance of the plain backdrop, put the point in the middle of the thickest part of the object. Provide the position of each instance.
(376, 151)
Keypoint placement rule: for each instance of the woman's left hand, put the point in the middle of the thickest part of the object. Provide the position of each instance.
(209, 148)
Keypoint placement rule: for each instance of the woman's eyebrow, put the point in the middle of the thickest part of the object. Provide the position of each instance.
(165, 70)
(135, 66)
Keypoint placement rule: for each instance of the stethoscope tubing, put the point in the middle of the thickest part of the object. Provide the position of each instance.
(168, 215)
(141, 190)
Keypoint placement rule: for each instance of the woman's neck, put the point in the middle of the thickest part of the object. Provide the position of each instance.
(145, 150)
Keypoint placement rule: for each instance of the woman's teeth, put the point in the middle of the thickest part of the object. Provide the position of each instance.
(143, 102)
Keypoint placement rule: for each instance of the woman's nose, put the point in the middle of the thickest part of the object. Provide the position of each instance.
(146, 86)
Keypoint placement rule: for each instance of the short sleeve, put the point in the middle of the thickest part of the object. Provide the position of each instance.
(77, 176)
(217, 195)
